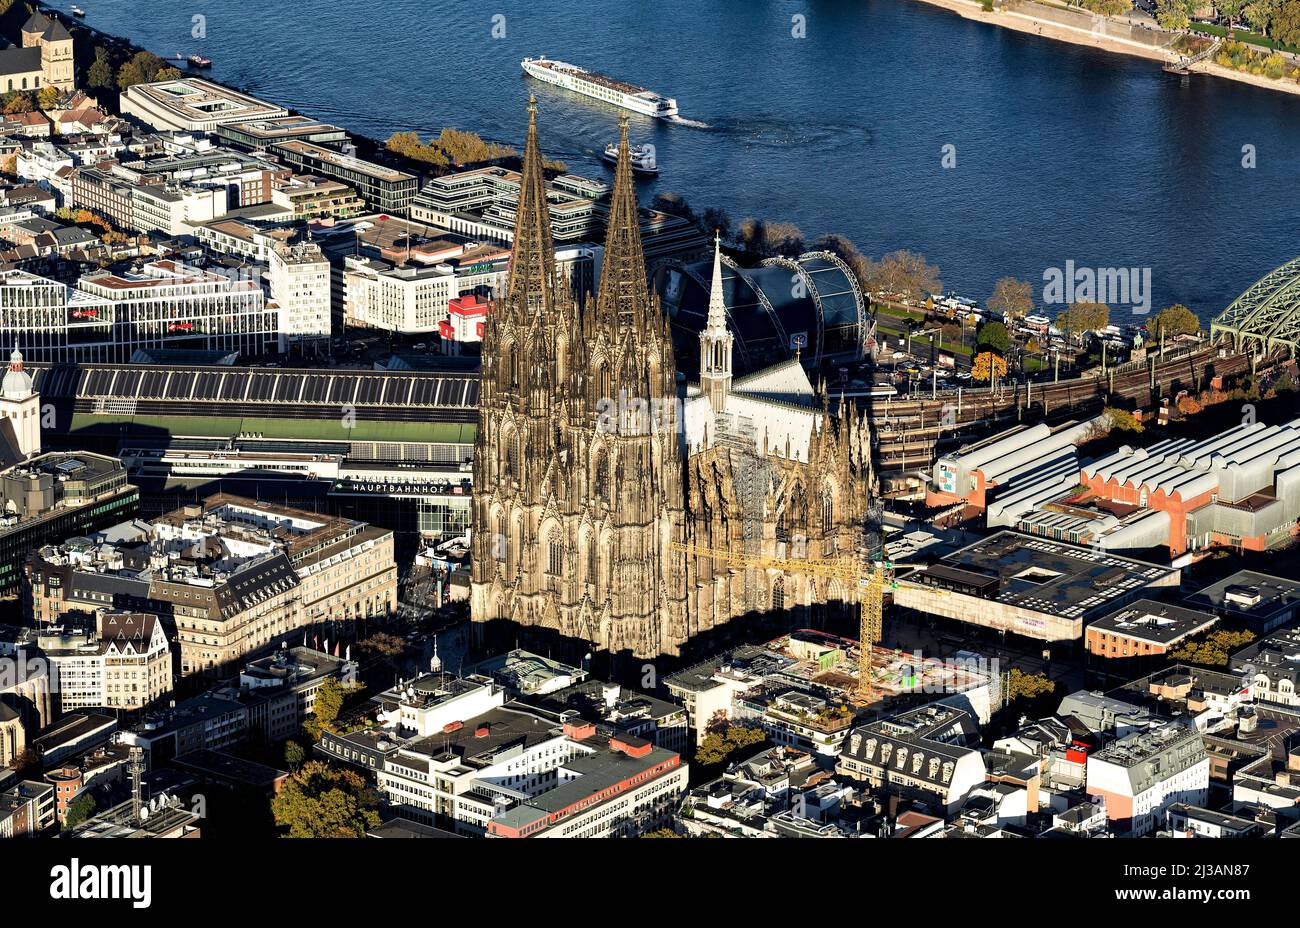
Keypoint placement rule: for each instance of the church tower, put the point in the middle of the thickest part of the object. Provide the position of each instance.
(715, 341)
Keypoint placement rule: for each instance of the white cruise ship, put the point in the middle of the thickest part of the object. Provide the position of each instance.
(628, 96)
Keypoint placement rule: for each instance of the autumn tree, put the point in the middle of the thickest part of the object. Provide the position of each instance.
(19, 102)
(320, 801)
(48, 97)
(1173, 321)
(1121, 420)
(988, 367)
(1213, 649)
(906, 276)
(1021, 685)
(1083, 317)
(330, 698)
(1013, 298)
(141, 69)
(294, 754)
(717, 746)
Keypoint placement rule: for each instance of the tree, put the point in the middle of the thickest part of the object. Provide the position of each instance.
(1083, 317)
(993, 336)
(1172, 15)
(661, 833)
(79, 809)
(717, 746)
(100, 72)
(988, 367)
(329, 703)
(1121, 420)
(1174, 320)
(319, 801)
(1214, 649)
(294, 754)
(1259, 15)
(764, 238)
(907, 276)
(19, 102)
(48, 97)
(714, 218)
(1021, 685)
(1013, 298)
(141, 69)
(167, 74)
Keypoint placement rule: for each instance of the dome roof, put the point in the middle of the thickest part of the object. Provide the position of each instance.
(17, 383)
(811, 301)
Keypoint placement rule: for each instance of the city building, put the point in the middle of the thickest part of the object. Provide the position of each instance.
(228, 576)
(43, 60)
(922, 754)
(1270, 666)
(257, 135)
(523, 673)
(58, 495)
(109, 316)
(584, 570)
(466, 320)
(317, 198)
(383, 188)
(1034, 587)
(20, 424)
(288, 682)
(27, 810)
(1144, 628)
(191, 104)
(299, 277)
(1238, 489)
(120, 660)
(162, 816)
(483, 203)
(1248, 598)
(1139, 776)
(1190, 821)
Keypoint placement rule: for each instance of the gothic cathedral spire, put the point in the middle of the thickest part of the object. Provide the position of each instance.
(716, 341)
(532, 284)
(623, 295)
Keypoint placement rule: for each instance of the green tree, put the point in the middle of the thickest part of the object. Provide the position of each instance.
(662, 833)
(79, 809)
(100, 72)
(1013, 298)
(717, 746)
(294, 754)
(1174, 320)
(167, 74)
(320, 801)
(993, 336)
(1259, 15)
(329, 703)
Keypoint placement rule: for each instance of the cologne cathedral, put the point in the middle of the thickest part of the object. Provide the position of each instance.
(596, 463)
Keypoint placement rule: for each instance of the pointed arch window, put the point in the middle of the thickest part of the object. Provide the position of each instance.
(555, 555)
(778, 595)
(600, 479)
(828, 511)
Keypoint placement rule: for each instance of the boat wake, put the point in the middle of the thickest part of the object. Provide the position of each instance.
(683, 121)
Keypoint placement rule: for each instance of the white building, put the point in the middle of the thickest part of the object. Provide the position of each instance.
(124, 663)
(176, 209)
(299, 277)
(20, 410)
(1140, 776)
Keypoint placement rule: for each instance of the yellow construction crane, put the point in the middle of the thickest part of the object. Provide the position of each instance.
(871, 580)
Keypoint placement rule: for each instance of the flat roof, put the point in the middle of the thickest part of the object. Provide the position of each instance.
(1150, 620)
(1041, 575)
(1249, 594)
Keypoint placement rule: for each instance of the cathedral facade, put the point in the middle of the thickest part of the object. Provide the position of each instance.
(595, 467)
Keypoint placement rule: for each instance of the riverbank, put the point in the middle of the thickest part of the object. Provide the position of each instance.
(1023, 21)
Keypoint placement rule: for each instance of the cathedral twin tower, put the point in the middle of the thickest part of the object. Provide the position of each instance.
(591, 462)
